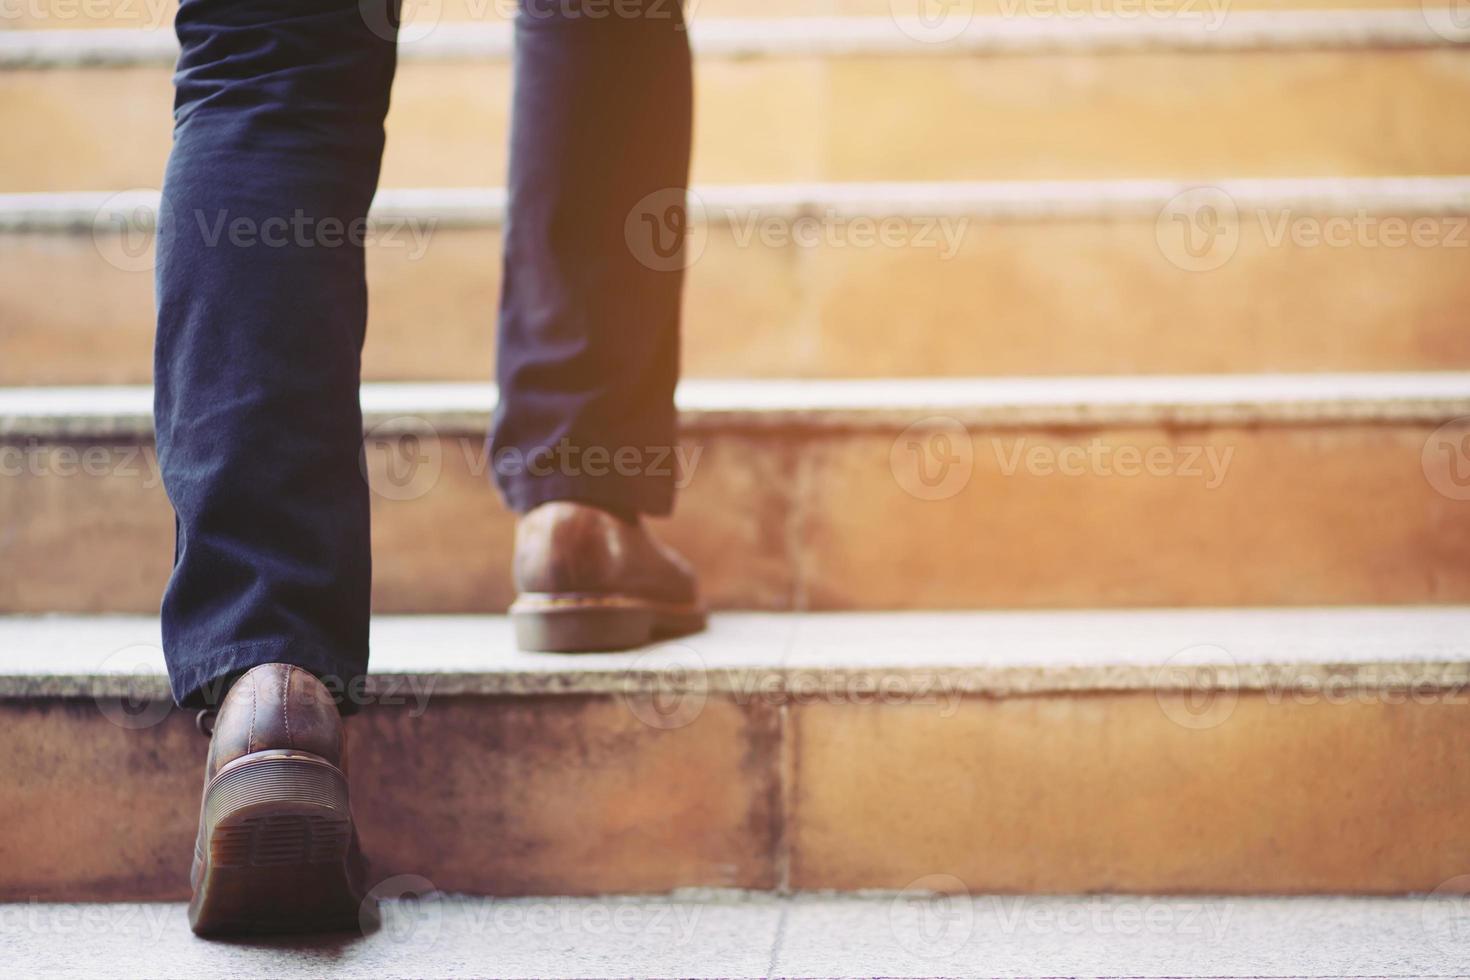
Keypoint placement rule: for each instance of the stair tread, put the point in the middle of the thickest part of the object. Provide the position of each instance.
(476, 207)
(974, 652)
(844, 36)
(455, 407)
(740, 935)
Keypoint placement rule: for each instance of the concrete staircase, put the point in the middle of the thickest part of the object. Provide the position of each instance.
(1073, 277)
(924, 494)
(1157, 338)
(1219, 751)
(722, 935)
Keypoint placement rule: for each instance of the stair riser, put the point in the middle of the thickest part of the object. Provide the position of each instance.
(79, 15)
(1053, 793)
(1063, 116)
(832, 310)
(786, 517)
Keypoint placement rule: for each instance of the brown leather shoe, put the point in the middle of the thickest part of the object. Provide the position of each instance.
(277, 850)
(590, 581)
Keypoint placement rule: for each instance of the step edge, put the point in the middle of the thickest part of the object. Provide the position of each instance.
(875, 404)
(796, 656)
(857, 36)
(734, 205)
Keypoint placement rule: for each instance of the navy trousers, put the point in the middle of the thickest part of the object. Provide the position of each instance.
(262, 303)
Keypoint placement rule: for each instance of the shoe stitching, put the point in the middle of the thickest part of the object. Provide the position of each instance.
(250, 737)
(286, 705)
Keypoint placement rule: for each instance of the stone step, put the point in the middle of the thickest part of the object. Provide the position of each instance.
(866, 98)
(424, 19)
(1228, 751)
(730, 934)
(990, 278)
(960, 493)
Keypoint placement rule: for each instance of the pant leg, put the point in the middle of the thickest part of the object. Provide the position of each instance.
(262, 307)
(589, 320)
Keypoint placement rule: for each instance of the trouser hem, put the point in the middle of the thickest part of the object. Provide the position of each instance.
(654, 498)
(203, 682)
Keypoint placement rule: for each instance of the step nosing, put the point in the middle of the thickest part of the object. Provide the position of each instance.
(839, 36)
(875, 404)
(736, 205)
(865, 658)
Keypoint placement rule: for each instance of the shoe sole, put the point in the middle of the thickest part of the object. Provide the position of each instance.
(278, 850)
(559, 623)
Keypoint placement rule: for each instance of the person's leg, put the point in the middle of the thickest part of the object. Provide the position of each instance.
(261, 312)
(262, 307)
(589, 322)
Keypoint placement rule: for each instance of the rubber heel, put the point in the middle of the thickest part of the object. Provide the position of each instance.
(279, 849)
(582, 630)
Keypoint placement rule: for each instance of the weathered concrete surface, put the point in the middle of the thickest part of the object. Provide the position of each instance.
(734, 935)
